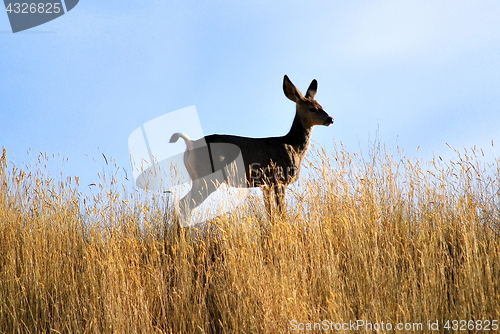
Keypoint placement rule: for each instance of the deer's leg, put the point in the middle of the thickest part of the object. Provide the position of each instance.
(279, 197)
(268, 194)
(200, 190)
(274, 199)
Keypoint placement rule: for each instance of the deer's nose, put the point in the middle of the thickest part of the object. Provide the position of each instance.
(328, 121)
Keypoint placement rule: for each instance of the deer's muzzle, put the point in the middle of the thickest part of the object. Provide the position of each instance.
(328, 121)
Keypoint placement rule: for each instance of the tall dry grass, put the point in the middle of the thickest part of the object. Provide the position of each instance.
(376, 238)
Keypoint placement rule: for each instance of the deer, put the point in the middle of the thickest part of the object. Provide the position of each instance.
(270, 163)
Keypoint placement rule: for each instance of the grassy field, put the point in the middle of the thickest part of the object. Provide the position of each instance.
(375, 241)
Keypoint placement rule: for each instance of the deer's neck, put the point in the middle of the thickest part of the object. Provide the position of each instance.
(299, 135)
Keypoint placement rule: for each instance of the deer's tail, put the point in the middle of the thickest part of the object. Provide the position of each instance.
(175, 137)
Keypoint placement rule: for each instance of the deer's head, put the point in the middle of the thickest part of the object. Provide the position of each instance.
(309, 110)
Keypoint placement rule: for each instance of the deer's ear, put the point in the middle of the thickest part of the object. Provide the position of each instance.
(291, 91)
(311, 91)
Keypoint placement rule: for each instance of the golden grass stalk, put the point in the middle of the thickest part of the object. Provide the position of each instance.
(377, 238)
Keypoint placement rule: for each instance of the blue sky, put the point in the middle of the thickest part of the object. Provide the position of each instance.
(408, 73)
